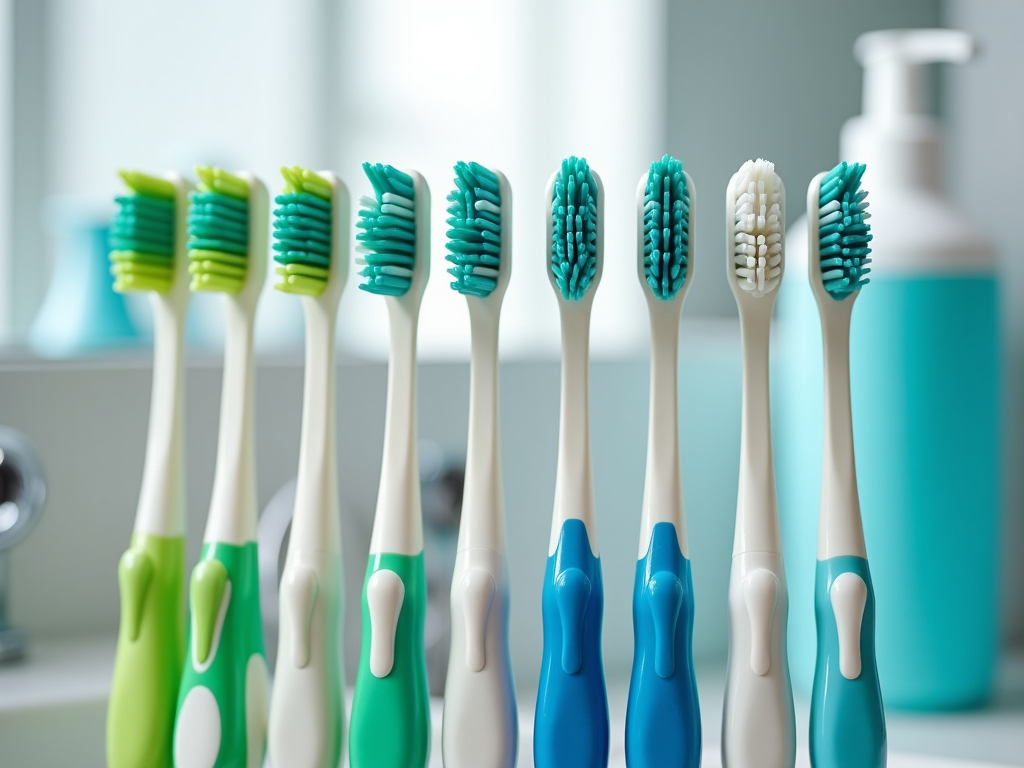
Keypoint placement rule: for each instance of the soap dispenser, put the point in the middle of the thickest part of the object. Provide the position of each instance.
(925, 367)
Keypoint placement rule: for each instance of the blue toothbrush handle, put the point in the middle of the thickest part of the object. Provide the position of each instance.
(847, 717)
(663, 712)
(571, 726)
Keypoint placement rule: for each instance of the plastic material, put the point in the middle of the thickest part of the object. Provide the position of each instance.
(307, 718)
(151, 639)
(758, 724)
(663, 713)
(847, 719)
(481, 723)
(571, 718)
(235, 672)
(390, 724)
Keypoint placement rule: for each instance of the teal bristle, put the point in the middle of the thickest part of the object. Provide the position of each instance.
(302, 231)
(666, 227)
(218, 232)
(387, 242)
(474, 240)
(574, 228)
(142, 235)
(843, 231)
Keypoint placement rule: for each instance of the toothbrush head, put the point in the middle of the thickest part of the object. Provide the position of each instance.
(843, 231)
(478, 237)
(388, 240)
(575, 224)
(666, 228)
(142, 238)
(303, 224)
(218, 232)
(758, 223)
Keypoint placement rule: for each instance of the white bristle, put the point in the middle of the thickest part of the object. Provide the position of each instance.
(757, 250)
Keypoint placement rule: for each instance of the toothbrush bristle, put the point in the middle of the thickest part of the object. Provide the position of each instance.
(387, 242)
(218, 232)
(474, 237)
(666, 227)
(843, 230)
(302, 229)
(142, 235)
(757, 228)
(574, 228)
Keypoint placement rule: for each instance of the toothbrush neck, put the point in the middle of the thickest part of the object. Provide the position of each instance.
(483, 513)
(315, 521)
(757, 515)
(398, 522)
(840, 531)
(663, 488)
(574, 483)
(161, 508)
(232, 516)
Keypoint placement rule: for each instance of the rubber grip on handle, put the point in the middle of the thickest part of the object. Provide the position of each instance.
(150, 653)
(571, 725)
(847, 716)
(390, 723)
(663, 712)
(481, 722)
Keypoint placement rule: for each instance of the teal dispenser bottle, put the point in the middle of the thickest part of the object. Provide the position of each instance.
(925, 374)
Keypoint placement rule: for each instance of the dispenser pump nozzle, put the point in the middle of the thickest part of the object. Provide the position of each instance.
(893, 61)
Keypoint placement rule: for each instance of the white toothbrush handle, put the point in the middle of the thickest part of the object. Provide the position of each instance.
(481, 725)
(758, 725)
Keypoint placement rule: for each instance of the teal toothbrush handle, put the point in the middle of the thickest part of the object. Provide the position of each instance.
(847, 717)
(390, 726)
(223, 702)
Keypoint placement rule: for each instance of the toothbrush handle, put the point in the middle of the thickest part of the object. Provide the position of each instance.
(758, 724)
(222, 706)
(481, 726)
(847, 717)
(150, 651)
(390, 726)
(307, 720)
(663, 712)
(571, 725)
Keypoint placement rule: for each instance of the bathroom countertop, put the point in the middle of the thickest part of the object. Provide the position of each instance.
(63, 686)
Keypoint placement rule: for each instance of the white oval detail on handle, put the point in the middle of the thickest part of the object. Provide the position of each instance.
(849, 595)
(385, 594)
(761, 595)
(477, 594)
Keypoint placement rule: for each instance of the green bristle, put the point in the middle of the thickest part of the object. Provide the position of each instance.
(474, 240)
(574, 230)
(843, 231)
(387, 242)
(142, 235)
(666, 227)
(218, 232)
(302, 228)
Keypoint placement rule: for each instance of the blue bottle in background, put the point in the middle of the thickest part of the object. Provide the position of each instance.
(925, 369)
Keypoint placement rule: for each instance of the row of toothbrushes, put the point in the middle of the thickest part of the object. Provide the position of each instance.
(221, 712)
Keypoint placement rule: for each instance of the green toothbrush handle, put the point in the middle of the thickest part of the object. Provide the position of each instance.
(390, 726)
(223, 703)
(150, 651)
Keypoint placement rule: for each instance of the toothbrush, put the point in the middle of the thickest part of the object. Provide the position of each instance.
(847, 718)
(758, 722)
(480, 725)
(663, 712)
(571, 719)
(222, 706)
(149, 254)
(390, 725)
(307, 709)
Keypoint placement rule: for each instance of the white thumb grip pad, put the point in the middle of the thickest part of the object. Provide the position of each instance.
(849, 596)
(385, 594)
(761, 595)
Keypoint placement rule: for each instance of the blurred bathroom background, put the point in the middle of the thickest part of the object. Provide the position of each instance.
(90, 86)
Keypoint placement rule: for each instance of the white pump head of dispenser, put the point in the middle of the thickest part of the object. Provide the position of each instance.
(895, 135)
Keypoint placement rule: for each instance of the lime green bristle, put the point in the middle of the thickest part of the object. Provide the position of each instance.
(302, 229)
(142, 235)
(218, 232)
